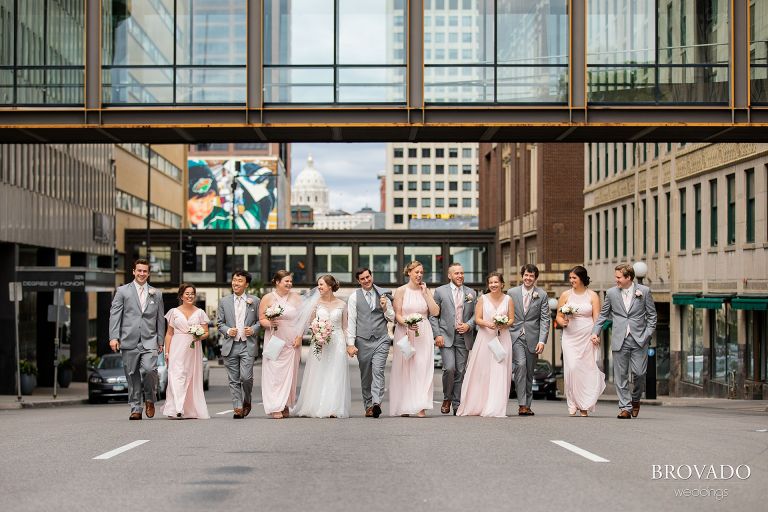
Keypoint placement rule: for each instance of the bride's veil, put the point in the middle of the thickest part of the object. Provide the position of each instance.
(308, 306)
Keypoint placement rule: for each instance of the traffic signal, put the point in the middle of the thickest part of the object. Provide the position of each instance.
(190, 255)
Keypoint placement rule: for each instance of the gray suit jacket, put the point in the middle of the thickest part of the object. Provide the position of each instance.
(641, 317)
(445, 324)
(535, 321)
(225, 319)
(129, 325)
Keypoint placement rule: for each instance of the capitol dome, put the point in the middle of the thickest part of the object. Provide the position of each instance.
(310, 189)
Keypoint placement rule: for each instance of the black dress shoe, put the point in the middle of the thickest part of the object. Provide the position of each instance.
(135, 416)
(376, 410)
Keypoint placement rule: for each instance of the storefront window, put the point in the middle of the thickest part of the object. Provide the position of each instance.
(335, 260)
(431, 257)
(159, 263)
(382, 260)
(692, 336)
(292, 258)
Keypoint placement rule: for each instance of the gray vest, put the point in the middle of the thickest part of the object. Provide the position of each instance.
(370, 324)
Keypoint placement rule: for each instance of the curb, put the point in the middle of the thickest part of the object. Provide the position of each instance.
(42, 405)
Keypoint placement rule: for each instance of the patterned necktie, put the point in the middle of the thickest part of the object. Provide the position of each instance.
(459, 306)
(369, 299)
(142, 298)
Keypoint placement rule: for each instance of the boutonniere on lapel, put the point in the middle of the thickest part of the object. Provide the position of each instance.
(638, 293)
(151, 293)
(469, 297)
(249, 301)
(535, 295)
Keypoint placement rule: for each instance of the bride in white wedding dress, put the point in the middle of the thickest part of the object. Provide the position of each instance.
(325, 390)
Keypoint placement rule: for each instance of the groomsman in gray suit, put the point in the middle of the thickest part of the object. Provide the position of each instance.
(369, 309)
(454, 331)
(631, 309)
(529, 332)
(237, 320)
(137, 329)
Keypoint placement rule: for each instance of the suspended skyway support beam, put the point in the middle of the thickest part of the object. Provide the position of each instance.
(417, 120)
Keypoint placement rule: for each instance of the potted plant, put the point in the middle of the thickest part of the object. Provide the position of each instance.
(28, 376)
(65, 373)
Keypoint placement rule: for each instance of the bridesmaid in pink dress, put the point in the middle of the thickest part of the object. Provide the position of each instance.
(584, 382)
(184, 397)
(487, 381)
(410, 389)
(279, 377)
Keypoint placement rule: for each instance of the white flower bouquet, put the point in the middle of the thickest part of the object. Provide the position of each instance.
(321, 335)
(273, 312)
(414, 319)
(197, 332)
(569, 309)
(500, 321)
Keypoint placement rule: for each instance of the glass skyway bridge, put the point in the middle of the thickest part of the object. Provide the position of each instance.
(185, 71)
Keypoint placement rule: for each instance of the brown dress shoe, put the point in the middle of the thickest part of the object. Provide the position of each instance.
(376, 410)
(238, 414)
(529, 412)
(369, 412)
(135, 416)
(624, 415)
(246, 409)
(635, 409)
(446, 407)
(149, 409)
(522, 411)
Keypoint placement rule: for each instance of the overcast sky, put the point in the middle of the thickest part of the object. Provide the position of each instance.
(349, 170)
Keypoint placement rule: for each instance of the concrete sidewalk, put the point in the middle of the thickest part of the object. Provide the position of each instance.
(75, 394)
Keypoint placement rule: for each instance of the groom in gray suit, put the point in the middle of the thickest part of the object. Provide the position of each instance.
(454, 331)
(237, 320)
(529, 332)
(137, 329)
(631, 309)
(369, 309)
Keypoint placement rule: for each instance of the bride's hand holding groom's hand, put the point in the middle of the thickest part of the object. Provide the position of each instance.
(351, 351)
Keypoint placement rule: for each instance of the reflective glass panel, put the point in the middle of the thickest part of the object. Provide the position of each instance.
(473, 259)
(210, 32)
(292, 258)
(335, 260)
(678, 54)
(758, 50)
(382, 260)
(431, 256)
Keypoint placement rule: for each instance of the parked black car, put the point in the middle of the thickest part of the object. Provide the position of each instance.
(107, 380)
(544, 381)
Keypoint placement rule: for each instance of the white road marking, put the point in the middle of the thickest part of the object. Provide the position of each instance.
(580, 451)
(762, 430)
(225, 412)
(118, 451)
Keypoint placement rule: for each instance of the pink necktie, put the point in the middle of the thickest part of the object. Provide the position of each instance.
(142, 299)
(526, 302)
(459, 306)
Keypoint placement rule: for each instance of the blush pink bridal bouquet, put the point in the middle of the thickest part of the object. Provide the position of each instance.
(321, 335)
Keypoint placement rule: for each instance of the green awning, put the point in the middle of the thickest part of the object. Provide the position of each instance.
(684, 299)
(751, 303)
(709, 302)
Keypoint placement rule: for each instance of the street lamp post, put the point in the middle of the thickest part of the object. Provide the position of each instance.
(233, 213)
(553, 311)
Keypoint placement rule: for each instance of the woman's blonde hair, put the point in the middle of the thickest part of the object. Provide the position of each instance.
(412, 265)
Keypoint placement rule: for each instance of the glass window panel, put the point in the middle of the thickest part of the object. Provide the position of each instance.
(370, 21)
(335, 260)
(371, 85)
(474, 261)
(476, 87)
(720, 346)
(209, 32)
(292, 258)
(430, 256)
(532, 84)
(137, 33)
(535, 32)
(217, 85)
(758, 51)
(300, 85)
(159, 262)
(298, 32)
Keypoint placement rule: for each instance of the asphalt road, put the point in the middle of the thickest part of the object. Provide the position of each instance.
(439, 463)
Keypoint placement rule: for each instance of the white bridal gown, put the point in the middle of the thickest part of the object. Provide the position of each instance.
(325, 389)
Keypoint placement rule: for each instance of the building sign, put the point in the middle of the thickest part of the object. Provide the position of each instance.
(71, 279)
(209, 194)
